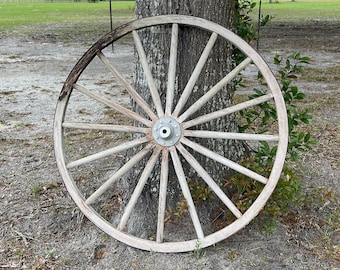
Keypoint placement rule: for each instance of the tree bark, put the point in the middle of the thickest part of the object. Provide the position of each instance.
(156, 43)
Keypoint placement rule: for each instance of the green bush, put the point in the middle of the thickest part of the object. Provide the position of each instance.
(243, 190)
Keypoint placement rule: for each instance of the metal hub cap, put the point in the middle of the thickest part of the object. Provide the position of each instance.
(166, 131)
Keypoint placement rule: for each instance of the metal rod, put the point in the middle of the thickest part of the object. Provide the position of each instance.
(111, 23)
(258, 27)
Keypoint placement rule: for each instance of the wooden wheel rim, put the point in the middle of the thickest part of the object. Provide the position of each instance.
(217, 236)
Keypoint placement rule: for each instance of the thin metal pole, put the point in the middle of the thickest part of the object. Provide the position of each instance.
(258, 26)
(111, 23)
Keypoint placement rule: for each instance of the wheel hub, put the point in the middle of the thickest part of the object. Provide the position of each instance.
(166, 131)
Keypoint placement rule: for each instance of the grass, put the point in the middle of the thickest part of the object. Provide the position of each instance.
(14, 15)
(329, 74)
(301, 10)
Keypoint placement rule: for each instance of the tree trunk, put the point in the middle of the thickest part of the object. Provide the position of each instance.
(156, 43)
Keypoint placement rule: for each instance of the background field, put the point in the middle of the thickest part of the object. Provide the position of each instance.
(302, 9)
(18, 14)
(14, 14)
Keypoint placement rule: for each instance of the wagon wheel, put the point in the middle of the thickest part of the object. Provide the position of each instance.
(164, 134)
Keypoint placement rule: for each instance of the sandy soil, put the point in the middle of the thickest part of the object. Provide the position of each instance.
(41, 228)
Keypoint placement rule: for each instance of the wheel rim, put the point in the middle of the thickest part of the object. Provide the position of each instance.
(164, 133)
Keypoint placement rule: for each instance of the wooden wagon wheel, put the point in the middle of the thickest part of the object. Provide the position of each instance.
(164, 134)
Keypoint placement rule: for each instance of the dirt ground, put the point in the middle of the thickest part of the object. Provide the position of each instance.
(41, 228)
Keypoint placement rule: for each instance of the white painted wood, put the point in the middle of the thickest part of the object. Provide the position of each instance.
(195, 74)
(162, 195)
(210, 182)
(214, 90)
(113, 105)
(205, 240)
(172, 70)
(220, 113)
(111, 151)
(123, 170)
(186, 192)
(151, 82)
(106, 127)
(210, 154)
(230, 135)
(140, 101)
(139, 188)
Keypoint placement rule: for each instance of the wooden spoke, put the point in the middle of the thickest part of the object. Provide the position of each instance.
(113, 105)
(140, 101)
(194, 76)
(186, 192)
(106, 127)
(220, 113)
(214, 90)
(123, 170)
(236, 167)
(138, 190)
(114, 150)
(151, 82)
(210, 182)
(162, 195)
(230, 135)
(172, 70)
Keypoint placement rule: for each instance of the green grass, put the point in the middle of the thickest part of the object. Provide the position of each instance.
(301, 10)
(13, 15)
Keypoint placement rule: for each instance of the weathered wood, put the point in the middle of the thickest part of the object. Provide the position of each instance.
(194, 76)
(220, 113)
(138, 190)
(134, 95)
(124, 169)
(280, 137)
(162, 195)
(113, 105)
(186, 192)
(227, 162)
(108, 152)
(207, 96)
(105, 127)
(170, 94)
(151, 82)
(231, 135)
(210, 182)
